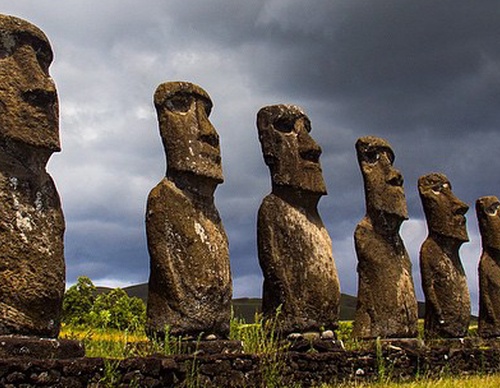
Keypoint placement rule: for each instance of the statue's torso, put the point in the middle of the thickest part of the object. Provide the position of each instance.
(295, 254)
(190, 282)
(449, 283)
(387, 306)
(32, 270)
(489, 296)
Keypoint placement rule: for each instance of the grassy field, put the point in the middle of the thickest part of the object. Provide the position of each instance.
(492, 381)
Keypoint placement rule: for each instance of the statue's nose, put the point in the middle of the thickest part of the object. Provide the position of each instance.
(308, 148)
(207, 132)
(395, 178)
(460, 207)
(40, 89)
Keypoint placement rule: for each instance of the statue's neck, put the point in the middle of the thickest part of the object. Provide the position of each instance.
(384, 223)
(200, 188)
(297, 198)
(30, 157)
(449, 245)
(494, 253)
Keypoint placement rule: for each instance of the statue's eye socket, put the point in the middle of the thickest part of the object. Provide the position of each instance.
(439, 188)
(492, 210)
(307, 125)
(208, 107)
(44, 58)
(179, 103)
(390, 156)
(284, 124)
(7, 44)
(372, 156)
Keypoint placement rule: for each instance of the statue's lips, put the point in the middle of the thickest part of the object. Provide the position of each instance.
(311, 155)
(40, 98)
(315, 166)
(212, 156)
(396, 191)
(460, 219)
(41, 104)
(50, 112)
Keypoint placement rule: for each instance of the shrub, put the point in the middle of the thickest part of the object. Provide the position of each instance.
(78, 302)
(116, 310)
(112, 310)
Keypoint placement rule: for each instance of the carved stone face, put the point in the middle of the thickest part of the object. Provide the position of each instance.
(290, 152)
(444, 212)
(488, 216)
(189, 138)
(383, 183)
(29, 110)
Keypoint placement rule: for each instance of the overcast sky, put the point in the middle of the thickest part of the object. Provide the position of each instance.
(423, 74)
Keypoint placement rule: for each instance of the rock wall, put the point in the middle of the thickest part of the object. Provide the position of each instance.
(243, 370)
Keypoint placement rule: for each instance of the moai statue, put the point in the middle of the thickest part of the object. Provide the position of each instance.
(190, 281)
(447, 300)
(387, 306)
(295, 250)
(32, 270)
(488, 216)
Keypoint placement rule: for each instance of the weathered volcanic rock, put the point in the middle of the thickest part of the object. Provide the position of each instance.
(387, 306)
(39, 348)
(295, 250)
(190, 281)
(488, 215)
(32, 271)
(447, 300)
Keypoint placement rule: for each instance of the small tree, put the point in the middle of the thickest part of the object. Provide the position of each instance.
(116, 310)
(78, 302)
(138, 310)
(113, 309)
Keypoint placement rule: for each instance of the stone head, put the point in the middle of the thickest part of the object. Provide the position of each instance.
(488, 216)
(444, 212)
(191, 142)
(29, 112)
(289, 151)
(384, 191)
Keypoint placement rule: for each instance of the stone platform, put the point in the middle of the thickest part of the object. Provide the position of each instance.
(394, 359)
(39, 348)
(190, 347)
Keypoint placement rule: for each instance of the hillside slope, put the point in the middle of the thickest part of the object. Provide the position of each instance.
(246, 308)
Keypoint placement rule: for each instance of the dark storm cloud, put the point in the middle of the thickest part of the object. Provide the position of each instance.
(405, 65)
(425, 75)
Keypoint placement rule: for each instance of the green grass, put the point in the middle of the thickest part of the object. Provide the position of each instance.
(107, 343)
(489, 381)
(261, 338)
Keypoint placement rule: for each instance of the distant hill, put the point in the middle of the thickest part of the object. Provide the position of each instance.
(138, 290)
(246, 308)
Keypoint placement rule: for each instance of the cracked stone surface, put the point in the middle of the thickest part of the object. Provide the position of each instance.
(295, 249)
(447, 300)
(32, 271)
(488, 215)
(190, 286)
(387, 306)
